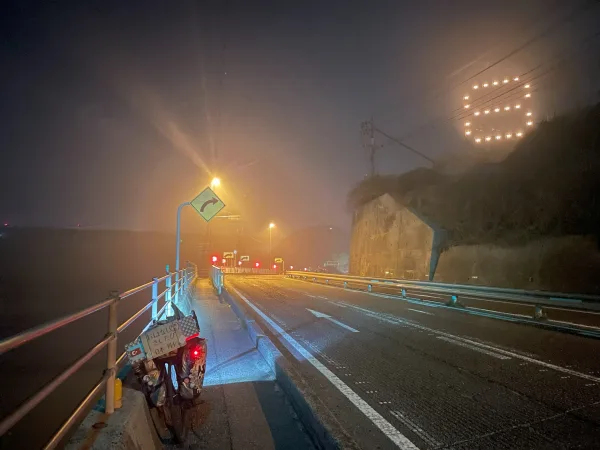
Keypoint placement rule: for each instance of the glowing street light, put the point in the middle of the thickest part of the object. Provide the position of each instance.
(467, 106)
(271, 226)
(527, 95)
(505, 80)
(508, 135)
(498, 137)
(467, 124)
(530, 123)
(529, 114)
(517, 106)
(466, 97)
(497, 110)
(527, 86)
(468, 132)
(488, 138)
(495, 83)
(476, 86)
(485, 84)
(519, 133)
(215, 182)
(516, 78)
(507, 108)
(487, 111)
(478, 140)
(476, 113)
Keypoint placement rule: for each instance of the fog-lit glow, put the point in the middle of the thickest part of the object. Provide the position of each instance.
(477, 113)
(529, 123)
(487, 111)
(516, 78)
(476, 86)
(488, 138)
(468, 132)
(508, 135)
(519, 133)
(271, 225)
(478, 140)
(527, 95)
(505, 80)
(497, 110)
(467, 124)
(467, 106)
(529, 114)
(507, 108)
(485, 84)
(518, 106)
(498, 137)
(215, 182)
(466, 97)
(527, 86)
(495, 83)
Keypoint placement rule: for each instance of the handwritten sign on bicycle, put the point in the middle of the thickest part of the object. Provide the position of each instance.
(162, 339)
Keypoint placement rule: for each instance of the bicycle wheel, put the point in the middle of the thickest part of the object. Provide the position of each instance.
(175, 410)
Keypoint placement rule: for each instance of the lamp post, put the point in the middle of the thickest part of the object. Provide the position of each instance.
(271, 226)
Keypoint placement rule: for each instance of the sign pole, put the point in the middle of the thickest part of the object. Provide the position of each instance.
(178, 244)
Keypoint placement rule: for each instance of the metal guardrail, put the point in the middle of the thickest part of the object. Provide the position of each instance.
(183, 279)
(539, 299)
(249, 270)
(216, 277)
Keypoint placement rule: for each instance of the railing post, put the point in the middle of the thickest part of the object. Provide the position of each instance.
(111, 359)
(168, 294)
(369, 288)
(154, 298)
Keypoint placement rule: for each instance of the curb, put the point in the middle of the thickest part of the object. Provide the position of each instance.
(324, 429)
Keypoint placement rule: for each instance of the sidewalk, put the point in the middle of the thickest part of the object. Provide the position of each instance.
(243, 406)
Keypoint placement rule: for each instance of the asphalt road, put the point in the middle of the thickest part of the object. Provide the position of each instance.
(402, 375)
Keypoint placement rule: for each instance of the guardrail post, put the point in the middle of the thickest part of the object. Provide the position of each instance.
(154, 298)
(345, 284)
(327, 281)
(539, 313)
(453, 301)
(370, 287)
(111, 359)
(403, 292)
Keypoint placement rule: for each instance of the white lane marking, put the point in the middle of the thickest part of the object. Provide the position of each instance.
(422, 312)
(321, 315)
(337, 304)
(488, 347)
(380, 422)
(472, 347)
(415, 428)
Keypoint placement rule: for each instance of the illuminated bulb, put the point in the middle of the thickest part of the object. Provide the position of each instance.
(467, 124)
(466, 97)
(508, 135)
(529, 123)
(516, 78)
(497, 110)
(495, 83)
(519, 133)
(517, 106)
(529, 114)
(505, 80)
(468, 132)
(477, 113)
(498, 137)
(478, 140)
(488, 138)
(527, 95)
(476, 87)
(485, 84)
(527, 86)
(507, 108)
(487, 111)
(467, 106)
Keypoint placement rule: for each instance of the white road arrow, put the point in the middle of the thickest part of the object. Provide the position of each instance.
(321, 315)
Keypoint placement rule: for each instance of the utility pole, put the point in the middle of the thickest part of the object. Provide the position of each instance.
(368, 132)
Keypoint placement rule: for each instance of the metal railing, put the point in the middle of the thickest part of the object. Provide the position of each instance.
(538, 299)
(249, 270)
(171, 293)
(216, 277)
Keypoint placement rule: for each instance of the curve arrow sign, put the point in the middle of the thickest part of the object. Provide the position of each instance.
(212, 201)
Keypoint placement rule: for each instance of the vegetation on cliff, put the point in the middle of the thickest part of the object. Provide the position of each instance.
(548, 186)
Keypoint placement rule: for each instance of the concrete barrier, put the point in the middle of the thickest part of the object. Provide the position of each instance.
(129, 428)
(320, 423)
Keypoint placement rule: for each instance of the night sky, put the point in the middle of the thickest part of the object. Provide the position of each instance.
(115, 112)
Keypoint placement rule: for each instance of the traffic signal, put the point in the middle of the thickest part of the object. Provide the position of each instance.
(214, 259)
(257, 264)
(274, 266)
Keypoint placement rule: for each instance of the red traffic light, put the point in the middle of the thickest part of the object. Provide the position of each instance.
(257, 264)
(214, 259)
(274, 266)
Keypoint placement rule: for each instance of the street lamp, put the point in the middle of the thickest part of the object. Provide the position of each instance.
(216, 182)
(271, 226)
